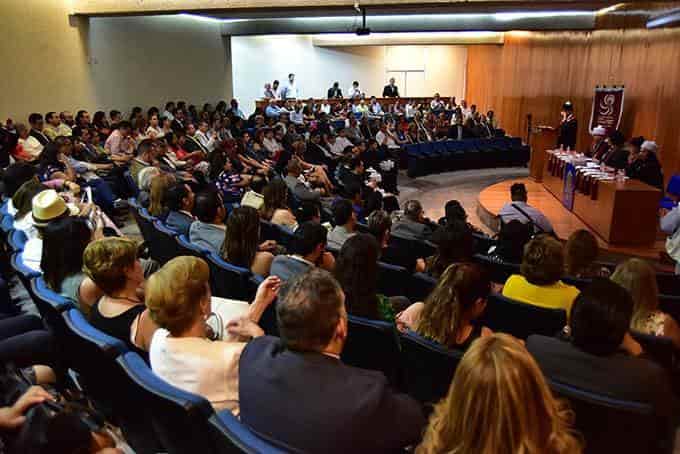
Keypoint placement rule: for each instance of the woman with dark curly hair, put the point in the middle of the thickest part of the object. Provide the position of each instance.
(540, 284)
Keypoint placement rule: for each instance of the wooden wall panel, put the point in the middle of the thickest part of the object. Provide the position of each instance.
(536, 72)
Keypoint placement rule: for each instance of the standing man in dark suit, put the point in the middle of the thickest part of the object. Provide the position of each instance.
(391, 90)
(297, 391)
(568, 127)
(334, 92)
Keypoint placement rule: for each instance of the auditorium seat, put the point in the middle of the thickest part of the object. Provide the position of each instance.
(393, 280)
(427, 368)
(372, 344)
(164, 245)
(521, 320)
(577, 282)
(614, 425)
(231, 436)
(50, 304)
(24, 273)
(7, 224)
(413, 248)
(131, 183)
(145, 224)
(229, 281)
(661, 349)
(669, 283)
(178, 419)
(17, 240)
(483, 243)
(670, 304)
(269, 231)
(186, 247)
(499, 272)
(420, 286)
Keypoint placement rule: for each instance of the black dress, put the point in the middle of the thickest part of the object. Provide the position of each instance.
(118, 326)
(567, 134)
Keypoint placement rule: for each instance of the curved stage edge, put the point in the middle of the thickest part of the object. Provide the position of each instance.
(492, 198)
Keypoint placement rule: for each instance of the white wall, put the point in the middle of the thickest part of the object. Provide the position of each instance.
(149, 60)
(260, 59)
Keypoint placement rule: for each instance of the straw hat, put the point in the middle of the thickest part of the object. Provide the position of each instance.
(47, 206)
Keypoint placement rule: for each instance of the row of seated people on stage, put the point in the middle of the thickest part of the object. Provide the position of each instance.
(637, 156)
(292, 90)
(328, 274)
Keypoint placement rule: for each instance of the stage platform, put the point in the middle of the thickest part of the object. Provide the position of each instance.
(492, 198)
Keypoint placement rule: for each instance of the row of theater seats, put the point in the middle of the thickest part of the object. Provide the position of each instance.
(435, 157)
(424, 369)
(154, 415)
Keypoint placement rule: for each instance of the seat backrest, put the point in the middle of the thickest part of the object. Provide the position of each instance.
(17, 240)
(392, 279)
(420, 286)
(499, 272)
(286, 237)
(613, 425)
(50, 304)
(669, 283)
(186, 247)
(671, 305)
(178, 418)
(520, 319)
(24, 273)
(231, 436)
(483, 243)
(577, 282)
(427, 367)
(413, 248)
(661, 349)
(372, 344)
(132, 184)
(229, 281)
(269, 231)
(166, 247)
(145, 223)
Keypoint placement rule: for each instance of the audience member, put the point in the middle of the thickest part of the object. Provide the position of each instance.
(275, 208)
(179, 201)
(184, 350)
(305, 361)
(413, 225)
(639, 278)
(208, 230)
(454, 211)
(645, 165)
(159, 187)
(308, 211)
(580, 253)
(449, 314)
(499, 401)
(345, 219)
(145, 177)
(455, 244)
(540, 284)
(512, 238)
(518, 209)
(617, 155)
(379, 224)
(241, 245)
(600, 355)
(308, 251)
(113, 266)
(64, 242)
(357, 272)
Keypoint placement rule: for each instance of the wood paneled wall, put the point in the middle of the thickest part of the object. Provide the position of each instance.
(536, 72)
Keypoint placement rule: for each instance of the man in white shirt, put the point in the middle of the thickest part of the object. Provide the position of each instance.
(520, 210)
(375, 109)
(410, 110)
(205, 137)
(268, 92)
(342, 140)
(325, 107)
(386, 138)
(465, 110)
(436, 104)
(334, 146)
(354, 92)
(168, 112)
(30, 144)
(290, 91)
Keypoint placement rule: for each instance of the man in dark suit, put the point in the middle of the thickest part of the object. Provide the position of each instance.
(413, 225)
(617, 155)
(391, 90)
(179, 199)
(568, 127)
(178, 123)
(601, 356)
(295, 390)
(334, 92)
(37, 123)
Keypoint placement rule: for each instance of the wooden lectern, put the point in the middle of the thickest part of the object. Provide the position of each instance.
(541, 138)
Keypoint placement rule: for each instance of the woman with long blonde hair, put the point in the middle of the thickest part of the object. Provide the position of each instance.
(499, 402)
(639, 278)
(159, 185)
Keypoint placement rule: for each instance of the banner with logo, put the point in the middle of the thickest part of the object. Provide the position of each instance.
(607, 108)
